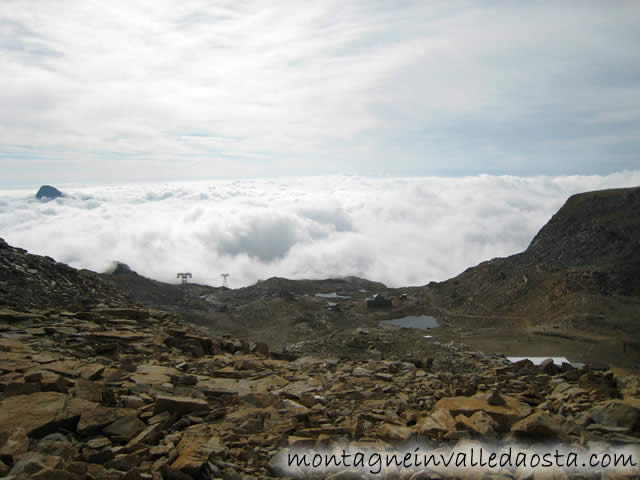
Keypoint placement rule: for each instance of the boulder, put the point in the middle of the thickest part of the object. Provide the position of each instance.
(617, 413)
(125, 428)
(440, 421)
(504, 415)
(92, 420)
(197, 443)
(541, 425)
(480, 423)
(38, 414)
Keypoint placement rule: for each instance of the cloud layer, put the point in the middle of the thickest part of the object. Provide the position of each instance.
(133, 90)
(401, 231)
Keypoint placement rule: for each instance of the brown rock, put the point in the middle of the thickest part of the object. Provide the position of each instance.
(16, 444)
(92, 371)
(179, 405)
(540, 425)
(54, 474)
(31, 463)
(68, 368)
(124, 462)
(119, 335)
(128, 313)
(125, 428)
(153, 374)
(91, 421)
(99, 442)
(79, 468)
(617, 413)
(480, 423)
(56, 444)
(395, 433)
(149, 436)
(21, 388)
(184, 379)
(440, 421)
(99, 456)
(10, 316)
(495, 398)
(38, 413)
(52, 382)
(504, 415)
(15, 364)
(131, 401)
(88, 390)
(160, 450)
(197, 443)
(46, 357)
(170, 473)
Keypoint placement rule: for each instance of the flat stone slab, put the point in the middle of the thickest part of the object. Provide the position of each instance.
(46, 357)
(37, 412)
(124, 335)
(195, 446)
(11, 316)
(505, 415)
(13, 363)
(153, 374)
(13, 345)
(64, 367)
(181, 405)
(242, 386)
(92, 420)
(297, 389)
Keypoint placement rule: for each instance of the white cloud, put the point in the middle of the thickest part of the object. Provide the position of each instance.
(401, 231)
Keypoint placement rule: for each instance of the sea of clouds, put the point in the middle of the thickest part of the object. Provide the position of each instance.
(400, 231)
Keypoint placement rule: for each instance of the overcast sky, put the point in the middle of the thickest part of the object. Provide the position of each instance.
(157, 89)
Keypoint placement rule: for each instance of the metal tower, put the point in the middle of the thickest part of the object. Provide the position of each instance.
(185, 285)
(225, 282)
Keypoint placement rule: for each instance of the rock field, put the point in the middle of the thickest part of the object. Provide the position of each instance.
(131, 393)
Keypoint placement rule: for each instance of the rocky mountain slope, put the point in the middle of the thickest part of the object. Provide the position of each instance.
(129, 393)
(275, 310)
(582, 269)
(28, 281)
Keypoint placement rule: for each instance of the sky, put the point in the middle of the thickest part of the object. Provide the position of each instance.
(156, 90)
(399, 231)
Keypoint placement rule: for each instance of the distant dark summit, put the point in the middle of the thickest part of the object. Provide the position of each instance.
(120, 268)
(47, 192)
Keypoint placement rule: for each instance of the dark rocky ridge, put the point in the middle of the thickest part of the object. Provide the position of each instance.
(33, 281)
(583, 267)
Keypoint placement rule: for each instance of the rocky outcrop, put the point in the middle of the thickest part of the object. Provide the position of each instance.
(47, 192)
(28, 281)
(577, 270)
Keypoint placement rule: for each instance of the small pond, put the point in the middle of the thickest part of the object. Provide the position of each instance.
(423, 322)
(331, 295)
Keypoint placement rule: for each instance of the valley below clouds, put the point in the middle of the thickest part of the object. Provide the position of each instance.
(400, 231)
